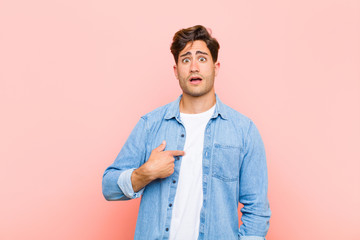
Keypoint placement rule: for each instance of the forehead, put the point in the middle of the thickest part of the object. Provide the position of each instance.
(197, 45)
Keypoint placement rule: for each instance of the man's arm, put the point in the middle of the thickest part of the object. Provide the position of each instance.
(130, 173)
(253, 188)
(131, 156)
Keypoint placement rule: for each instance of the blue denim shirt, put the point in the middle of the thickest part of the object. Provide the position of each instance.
(234, 170)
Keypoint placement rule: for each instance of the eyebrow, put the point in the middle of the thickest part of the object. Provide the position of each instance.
(197, 52)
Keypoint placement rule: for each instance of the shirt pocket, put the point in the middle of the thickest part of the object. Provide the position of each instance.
(226, 162)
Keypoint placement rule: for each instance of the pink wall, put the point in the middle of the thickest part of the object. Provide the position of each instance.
(75, 76)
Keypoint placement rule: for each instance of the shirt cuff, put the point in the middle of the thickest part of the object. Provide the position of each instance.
(251, 238)
(124, 183)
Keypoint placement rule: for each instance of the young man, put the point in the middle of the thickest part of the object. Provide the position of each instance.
(194, 159)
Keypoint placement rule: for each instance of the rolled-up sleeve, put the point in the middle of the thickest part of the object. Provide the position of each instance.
(251, 238)
(125, 184)
(253, 188)
(116, 183)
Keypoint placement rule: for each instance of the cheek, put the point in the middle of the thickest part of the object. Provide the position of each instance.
(182, 73)
(209, 70)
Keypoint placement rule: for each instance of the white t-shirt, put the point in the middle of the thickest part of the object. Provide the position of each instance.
(188, 201)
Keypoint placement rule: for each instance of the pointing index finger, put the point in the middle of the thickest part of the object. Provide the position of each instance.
(176, 152)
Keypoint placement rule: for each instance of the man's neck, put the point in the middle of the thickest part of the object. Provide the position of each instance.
(194, 105)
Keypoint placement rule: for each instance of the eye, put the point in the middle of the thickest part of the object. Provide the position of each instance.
(186, 60)
(202, 59)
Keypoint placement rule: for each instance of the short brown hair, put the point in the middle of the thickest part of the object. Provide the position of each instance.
(198, 32)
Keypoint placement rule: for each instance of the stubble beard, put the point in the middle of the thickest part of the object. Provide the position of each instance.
(205, 87)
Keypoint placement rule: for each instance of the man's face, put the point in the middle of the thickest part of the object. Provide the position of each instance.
(196, 70)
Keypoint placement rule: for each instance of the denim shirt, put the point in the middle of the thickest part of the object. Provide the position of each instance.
(234, 170)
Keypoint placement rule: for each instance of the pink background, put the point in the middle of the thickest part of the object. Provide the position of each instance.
(75, 76)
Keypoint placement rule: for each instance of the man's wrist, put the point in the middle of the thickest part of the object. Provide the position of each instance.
(144, 173)
(140, 177)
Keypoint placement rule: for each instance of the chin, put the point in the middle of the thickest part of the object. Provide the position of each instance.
(196, 94)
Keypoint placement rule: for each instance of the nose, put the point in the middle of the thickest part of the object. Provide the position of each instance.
(194, 66)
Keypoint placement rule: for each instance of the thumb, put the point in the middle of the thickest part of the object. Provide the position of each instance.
(161, 147)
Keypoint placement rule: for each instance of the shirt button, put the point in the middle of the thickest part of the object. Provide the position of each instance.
(167, 229)
(170, 205)
(174, 181)
(182, 135)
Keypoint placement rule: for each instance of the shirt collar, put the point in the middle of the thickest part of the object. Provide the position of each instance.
(174, 109)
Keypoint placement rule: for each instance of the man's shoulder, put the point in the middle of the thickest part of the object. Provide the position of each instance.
(159, 112)
(238, 121)
(235, 116)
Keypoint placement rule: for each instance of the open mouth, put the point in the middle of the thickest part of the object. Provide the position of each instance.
(195, 80)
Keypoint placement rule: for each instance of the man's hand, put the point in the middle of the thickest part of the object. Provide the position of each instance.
(160, 165)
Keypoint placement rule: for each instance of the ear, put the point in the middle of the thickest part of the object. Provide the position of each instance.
(217, 67)
(175, 71)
